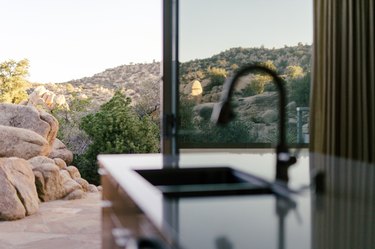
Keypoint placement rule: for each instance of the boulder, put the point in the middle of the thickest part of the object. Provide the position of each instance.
(196, 88)
(49, 99)
(46, 99)
(60, 163)
(11, 207)
(291, 106)
(76, 194)
(59, 150)
(38, 91)
(69, 184)
(60, 100)
(53, 124)
(84, 184)
(73, 171)
(292, 122)
(19, 196)
(22, 143)
(258, 103)
(28, 117)
(92, 188)
(270, 116)
(47, 178)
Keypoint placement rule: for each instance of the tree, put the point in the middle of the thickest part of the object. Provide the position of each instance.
(269, 64)
(186, 116)
(294, 72)
(234, 67)
(13, 84)
(69, 131)
(299, 90)
(149, 100)
(259, 81)
(116, 128)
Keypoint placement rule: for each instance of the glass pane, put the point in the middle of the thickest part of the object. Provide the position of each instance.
(216, 38)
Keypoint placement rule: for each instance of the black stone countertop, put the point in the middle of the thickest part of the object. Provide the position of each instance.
(342, 217)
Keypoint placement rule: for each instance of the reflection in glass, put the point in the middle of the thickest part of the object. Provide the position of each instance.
(343, 216)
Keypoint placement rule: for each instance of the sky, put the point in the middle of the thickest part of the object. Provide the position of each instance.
(208, 27)
(71, 39)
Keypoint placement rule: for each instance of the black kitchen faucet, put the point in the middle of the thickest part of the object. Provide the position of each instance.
(223, 114)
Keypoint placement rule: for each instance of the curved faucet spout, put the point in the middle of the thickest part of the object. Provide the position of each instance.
(223, 113)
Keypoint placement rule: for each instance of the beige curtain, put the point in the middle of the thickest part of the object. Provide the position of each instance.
(343, 85)
(343, 217)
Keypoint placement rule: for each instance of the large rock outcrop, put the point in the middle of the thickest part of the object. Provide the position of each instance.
(46, 99)
(19, 197)
(22, 143)
(46, 174)
(54, 180)
(30, 118)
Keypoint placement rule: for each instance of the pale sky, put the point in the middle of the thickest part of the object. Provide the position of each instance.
(71, 39)
(208, 27)
(68, 39)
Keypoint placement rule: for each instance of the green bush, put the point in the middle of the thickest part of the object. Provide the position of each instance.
(299, 90)
(235, 132)
(254, 88)
(217, 77)
(201, 131)
(116, 128)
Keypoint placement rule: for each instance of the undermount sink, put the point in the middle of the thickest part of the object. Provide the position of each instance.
(207, 181)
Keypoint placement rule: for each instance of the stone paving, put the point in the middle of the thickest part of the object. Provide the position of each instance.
(74, 224)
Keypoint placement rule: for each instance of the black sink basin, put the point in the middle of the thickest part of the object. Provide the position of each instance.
(184, 182)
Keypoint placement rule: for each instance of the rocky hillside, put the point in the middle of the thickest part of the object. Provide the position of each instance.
(231, 59)
(138, 81)
(142, 81)
(123, 76)
(255, 101)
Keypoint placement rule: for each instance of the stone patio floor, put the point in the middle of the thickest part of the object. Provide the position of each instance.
(74, 224)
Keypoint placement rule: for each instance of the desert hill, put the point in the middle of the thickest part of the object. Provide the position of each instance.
(142, 81)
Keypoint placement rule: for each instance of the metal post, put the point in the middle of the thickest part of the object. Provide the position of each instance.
(169, 89)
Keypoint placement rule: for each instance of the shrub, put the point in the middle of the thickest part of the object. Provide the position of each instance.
(217, 77)
(254, 88)
(69, 131)
(116, 128)
(235, 132)
(294, 72)
(257, 85)
(299, 90)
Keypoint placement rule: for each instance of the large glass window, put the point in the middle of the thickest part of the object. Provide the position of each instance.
(218, 37)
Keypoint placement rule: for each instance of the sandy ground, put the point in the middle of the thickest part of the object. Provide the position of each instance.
(74, 224)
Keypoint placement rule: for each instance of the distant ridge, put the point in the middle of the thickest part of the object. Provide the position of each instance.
(123, 76)
(143, 79)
